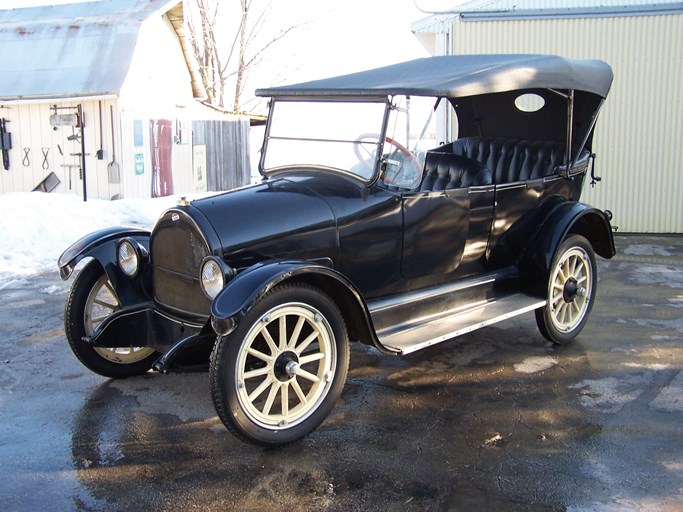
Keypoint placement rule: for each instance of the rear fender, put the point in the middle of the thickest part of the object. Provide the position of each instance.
(248, 287)
(568, 218)
(101, 246)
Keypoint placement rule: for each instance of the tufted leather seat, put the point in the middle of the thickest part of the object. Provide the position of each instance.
(445, 171)
(512, 160)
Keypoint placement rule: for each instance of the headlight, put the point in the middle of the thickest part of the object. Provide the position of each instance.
(130, 256)
(212, 275)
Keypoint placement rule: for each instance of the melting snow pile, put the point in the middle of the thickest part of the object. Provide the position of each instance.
(35, 228)
(535, 364)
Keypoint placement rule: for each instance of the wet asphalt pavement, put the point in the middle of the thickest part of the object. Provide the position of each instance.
(495, 420)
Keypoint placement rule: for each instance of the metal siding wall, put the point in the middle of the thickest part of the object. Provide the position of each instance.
(640, 129)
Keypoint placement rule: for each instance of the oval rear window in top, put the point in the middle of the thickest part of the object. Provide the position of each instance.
(529, 102)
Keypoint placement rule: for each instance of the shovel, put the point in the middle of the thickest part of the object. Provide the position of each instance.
(100, 152)
(113, 167)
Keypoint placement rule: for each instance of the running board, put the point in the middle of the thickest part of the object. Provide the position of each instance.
(422, 333)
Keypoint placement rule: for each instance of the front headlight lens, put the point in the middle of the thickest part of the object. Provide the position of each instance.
(128, 258)
(212, 277)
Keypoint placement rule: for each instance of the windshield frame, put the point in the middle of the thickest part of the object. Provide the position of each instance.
(375, 169)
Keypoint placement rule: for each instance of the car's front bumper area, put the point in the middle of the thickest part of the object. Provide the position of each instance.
(144, 325)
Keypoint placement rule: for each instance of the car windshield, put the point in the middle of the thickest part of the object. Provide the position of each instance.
(339, 135)
(344, 135)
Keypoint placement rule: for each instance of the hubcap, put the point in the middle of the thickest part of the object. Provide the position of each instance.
(285, 366)
(570, 289)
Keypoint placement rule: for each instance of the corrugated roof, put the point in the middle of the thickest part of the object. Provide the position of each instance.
(491, 5)
(71, 50)
(476, 10)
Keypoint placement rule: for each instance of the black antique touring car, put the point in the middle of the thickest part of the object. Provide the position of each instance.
(371, 224)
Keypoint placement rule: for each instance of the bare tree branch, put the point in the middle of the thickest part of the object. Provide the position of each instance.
(233, 62)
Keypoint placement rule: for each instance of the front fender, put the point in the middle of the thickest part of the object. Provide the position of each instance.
(568, 218)
(248, 287)
(93, 244)
(101, 245)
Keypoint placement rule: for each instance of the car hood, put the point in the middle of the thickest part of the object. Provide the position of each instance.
(278, 219)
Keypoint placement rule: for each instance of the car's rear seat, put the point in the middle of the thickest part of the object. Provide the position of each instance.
(499, 161)
(512, 160)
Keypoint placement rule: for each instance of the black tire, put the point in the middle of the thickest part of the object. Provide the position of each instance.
(275, 391)
(90, 300)
(572, 285)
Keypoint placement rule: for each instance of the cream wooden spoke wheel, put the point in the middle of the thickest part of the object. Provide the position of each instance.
(286, 365)
(277, 376)
(91, 300)
(571, 291)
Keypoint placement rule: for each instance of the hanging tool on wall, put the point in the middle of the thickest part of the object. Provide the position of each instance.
(5, 143)
(73, 120)
(83, 153)
(70, 167)
(113, 170)
(26, 161)
(46, 152)
(80, 167)
(100, 152)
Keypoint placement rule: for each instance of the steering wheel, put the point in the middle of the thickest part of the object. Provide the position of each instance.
(407, 170)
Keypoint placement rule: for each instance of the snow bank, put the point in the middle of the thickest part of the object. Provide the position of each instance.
(35, 228)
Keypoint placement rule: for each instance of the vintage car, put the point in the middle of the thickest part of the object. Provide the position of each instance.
(371, 224)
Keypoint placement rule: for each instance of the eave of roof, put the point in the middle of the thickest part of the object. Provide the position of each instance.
(487, 10)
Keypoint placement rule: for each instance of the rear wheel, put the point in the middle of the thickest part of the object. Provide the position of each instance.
(571, 291)
(90, 301)
(278, 375)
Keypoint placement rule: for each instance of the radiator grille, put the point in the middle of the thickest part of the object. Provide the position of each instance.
(177, 251)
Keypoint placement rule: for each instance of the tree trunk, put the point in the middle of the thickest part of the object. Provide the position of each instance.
(239, 80)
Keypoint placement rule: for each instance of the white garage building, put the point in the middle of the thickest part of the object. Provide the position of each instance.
(640, 133)
(101, 99)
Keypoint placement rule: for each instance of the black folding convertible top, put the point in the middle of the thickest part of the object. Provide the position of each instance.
(457, 76)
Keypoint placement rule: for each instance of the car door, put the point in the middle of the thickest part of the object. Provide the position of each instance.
(369, 224)
(445, 233)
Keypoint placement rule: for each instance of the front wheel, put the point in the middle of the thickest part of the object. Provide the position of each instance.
(571, 291)
(90, 301)
(278, 375)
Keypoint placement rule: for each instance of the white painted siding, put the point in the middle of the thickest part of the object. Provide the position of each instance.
(157, 87)
(29, 124)
(640, 130)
